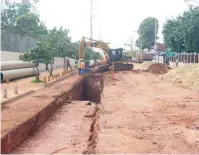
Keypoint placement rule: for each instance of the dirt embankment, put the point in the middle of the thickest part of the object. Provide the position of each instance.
(187, 75)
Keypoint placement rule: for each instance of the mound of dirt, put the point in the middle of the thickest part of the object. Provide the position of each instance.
(158, 68)
(187, 75)
(144, 65)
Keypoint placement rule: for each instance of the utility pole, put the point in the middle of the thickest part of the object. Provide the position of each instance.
(141, 50)
(155, 45)
(132, 44)
(91, 19)
(155, 33)
(92, 3)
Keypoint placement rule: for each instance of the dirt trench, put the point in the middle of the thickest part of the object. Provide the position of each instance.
(84, 97)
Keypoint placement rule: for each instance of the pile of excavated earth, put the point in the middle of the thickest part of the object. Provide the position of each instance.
(158, 68)
(187, 75)
(144, 65)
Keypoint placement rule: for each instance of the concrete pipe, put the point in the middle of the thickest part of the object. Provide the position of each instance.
(11, 65)
(18, 73)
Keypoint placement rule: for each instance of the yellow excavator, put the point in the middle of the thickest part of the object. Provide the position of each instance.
(110, 55)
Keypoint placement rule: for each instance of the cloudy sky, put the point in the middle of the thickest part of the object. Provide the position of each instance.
(116, 19)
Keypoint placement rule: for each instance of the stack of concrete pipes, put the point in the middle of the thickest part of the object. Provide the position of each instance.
(16, 69)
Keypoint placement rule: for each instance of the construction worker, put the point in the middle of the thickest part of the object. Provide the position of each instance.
(68, 64)
(79, 66)
(83, 67)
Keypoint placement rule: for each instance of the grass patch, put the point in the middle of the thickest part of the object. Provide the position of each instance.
(37, 81)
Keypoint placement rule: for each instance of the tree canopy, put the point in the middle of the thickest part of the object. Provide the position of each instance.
(181, 34)
(16, 16)
(146, 33)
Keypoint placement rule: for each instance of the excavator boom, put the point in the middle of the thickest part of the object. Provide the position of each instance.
(96, 44)
(111, 55)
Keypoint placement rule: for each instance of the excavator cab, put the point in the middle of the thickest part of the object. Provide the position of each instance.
(117, 55)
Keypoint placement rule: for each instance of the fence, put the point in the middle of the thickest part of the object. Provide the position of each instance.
(16, 43)
(185, 57)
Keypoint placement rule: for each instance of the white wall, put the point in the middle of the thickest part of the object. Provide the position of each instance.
(14, 56)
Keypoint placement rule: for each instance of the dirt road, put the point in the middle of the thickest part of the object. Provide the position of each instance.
(139, 114)
(143, 114)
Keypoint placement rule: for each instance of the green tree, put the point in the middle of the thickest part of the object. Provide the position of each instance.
(182, 33)
(147, 33)
(31, 57)
(28, 24)
(11, 10)
(61, 43)
(43, 53)
(22, 18)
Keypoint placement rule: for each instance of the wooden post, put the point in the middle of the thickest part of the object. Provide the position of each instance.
(194, 58)
(190, 58)
(44, 79)
(198, 58)
(5, 93)
(7, 80)
(16, 90)
(113, 73)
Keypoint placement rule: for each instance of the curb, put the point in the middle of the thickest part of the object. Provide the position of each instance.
(58, 80)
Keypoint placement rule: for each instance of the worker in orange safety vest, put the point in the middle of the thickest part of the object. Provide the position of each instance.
(83, 67)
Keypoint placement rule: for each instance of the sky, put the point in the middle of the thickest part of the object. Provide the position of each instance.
(115, 21)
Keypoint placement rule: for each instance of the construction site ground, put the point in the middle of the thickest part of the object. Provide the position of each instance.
(140, 113)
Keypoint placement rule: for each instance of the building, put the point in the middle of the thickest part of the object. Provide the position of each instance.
(161, 47)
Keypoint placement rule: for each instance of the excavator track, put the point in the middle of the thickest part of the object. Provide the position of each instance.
(123, 67)
(105, 68)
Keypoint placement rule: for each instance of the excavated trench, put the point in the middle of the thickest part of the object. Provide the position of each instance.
(93, 88)
(87, 88)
